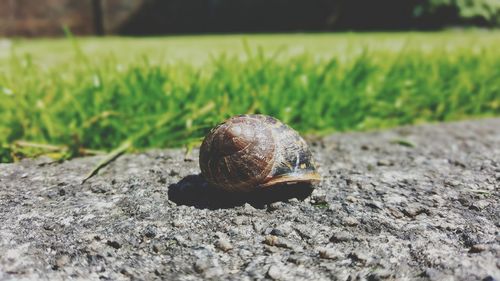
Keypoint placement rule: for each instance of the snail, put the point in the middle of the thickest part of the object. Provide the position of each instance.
(250, 152)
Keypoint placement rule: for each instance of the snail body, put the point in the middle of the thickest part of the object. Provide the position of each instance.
(248, 152)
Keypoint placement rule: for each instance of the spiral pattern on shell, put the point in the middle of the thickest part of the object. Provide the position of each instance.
(250, 151)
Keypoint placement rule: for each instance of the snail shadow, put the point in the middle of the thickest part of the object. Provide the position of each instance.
(194, 191)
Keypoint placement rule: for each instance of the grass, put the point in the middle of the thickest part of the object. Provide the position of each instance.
(67, 98)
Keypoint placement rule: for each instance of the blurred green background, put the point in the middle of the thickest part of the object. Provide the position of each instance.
(159, 17)
(73, 96)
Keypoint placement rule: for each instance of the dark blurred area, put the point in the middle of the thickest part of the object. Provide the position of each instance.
(157, 17)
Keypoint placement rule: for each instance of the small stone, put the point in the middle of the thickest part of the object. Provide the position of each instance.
(201, 265)
(478, 248)
(384, 162)
(319, 199)
(328, 253)
(432, 274)
(342, 236)
(297, 259)
(51, 194)
(335, 207)
(49, 226)
(479, 205)
(239, 220)
(245, 254)
(375, 205)
(248, 209)
(457, 163)
(488, 278)
(271, 249)
(305, 232)
(413, 210)
(162, 180)
(158, 247)
(267, 230)
(282, 230)
(223, 244)
(437, 200)
(351, 199)
(62, 261)
(180, 240)
(274, 272)
(395, 213)
(259, 226)
(114, 244)
(351, 221)
(125, 272)
(150, 231)
(277, 232)
(277, 273)
(359, 256)
(465, 200)
(453, 183)
(374, 277)
(274, 206)
(213, 272)
(272, 240)
(380, 274)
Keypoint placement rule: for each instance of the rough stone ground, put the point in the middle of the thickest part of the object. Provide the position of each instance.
(414, 203)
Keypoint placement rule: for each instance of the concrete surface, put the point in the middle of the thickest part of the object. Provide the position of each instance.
(413, 203)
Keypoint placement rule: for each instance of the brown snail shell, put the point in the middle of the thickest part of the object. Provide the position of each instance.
(248, 152)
